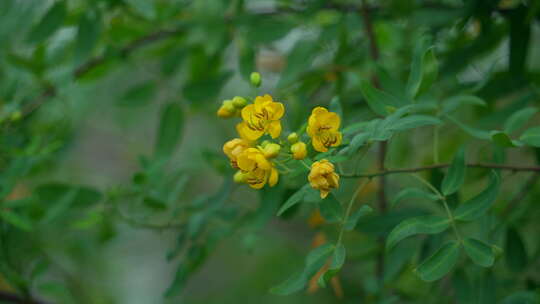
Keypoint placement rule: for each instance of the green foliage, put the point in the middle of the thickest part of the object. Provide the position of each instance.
(440, 263)
(455, 177)
(112, 166)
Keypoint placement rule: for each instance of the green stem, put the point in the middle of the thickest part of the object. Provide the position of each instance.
(348, 210)
(452, 221)
(445, 204)
(436, 145)
(305, 165)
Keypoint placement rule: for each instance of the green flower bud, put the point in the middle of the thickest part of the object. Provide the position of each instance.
(271, 150)
(239, 177)
(255, 79)
(239, 102)
(292, 138)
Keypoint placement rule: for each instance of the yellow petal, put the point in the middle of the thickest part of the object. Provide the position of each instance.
(339, 139)
(334, 180)
(278, 110)
(247, 112)
(274, 176)
(330, 119)
(262, 162)
(318, 145)
(319, 111)
(324, 193)
(274, 128)
(245, 132)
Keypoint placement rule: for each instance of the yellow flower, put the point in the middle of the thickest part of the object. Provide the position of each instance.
(323, 177)
(323, 129)
(261, 117)
(257, 169)
(233, 148)
(299, 150)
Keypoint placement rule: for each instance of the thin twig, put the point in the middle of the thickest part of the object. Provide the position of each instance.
(86, 67)
(374, 53)
(385, 172)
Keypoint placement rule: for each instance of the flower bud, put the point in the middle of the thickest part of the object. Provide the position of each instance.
(255, 79)
(239, 102)
(265, 142)
(271, 150)
(226, 110)
(299, 150)
(239, 177)
(229, 106)
(293, 138)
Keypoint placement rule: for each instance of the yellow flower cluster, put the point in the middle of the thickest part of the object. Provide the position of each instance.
(258, 163)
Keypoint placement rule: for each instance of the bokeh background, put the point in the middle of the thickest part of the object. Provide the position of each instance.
(87, 88)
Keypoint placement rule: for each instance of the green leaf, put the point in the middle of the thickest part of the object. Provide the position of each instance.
(299, 61)
(478, 205)
(451, 104)
(355, 127)
(145, 8)
(317, 258)
(335, 106)
(424, 71)
(428, 224)
(376, 99)
(189, 264)
(293, 284)
(414, 121)
(515, 254)
(358, 141)
(294, 199)
(531, 137)
(413, 193)
(61, 206)
(338, 259)
(479, 252)
(264, 30)
(517, 120)
(393, 86)
(139, 95)
(455, 176)
(87, 34)
(503, 140)
(474, 132)
(16, 220)
(331, 209)
(353, 218)
(170, 130)
(314, 261)
(522, 297)
(440, 263)
(51, 21)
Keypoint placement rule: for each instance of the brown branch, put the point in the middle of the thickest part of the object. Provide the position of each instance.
(126, 50)
(385, 172)
(6, 297)
(374, 53)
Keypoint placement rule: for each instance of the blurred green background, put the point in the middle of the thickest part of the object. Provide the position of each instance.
(113, 186)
